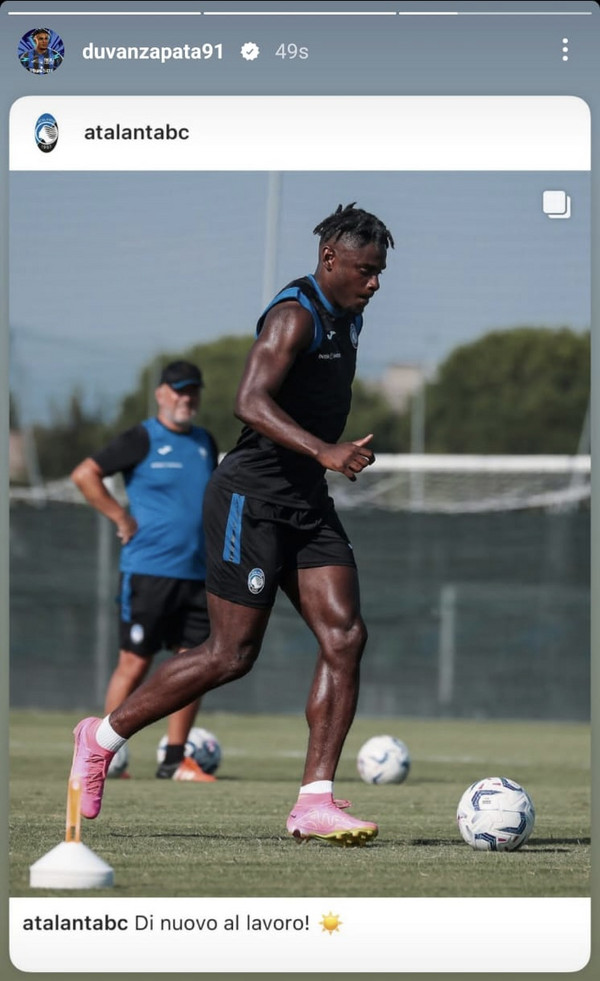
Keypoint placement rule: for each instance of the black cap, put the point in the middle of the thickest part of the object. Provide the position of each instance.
(180, 374)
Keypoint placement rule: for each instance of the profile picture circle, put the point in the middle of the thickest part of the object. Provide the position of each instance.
(41, 51)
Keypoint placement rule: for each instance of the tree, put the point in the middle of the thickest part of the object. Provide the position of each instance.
(222, 364)
(524, 390)
(371, 413)
(73, 434)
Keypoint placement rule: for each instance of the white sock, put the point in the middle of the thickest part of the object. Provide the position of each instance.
(318, 787)
(107, 737)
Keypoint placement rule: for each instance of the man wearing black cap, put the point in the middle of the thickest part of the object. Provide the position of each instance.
(166, 463)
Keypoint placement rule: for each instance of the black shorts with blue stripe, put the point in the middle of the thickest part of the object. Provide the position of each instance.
(252, 545)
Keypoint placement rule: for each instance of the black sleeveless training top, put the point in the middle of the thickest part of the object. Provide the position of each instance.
(316, 393)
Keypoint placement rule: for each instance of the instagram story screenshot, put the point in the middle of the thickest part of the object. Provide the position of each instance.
(297, 317)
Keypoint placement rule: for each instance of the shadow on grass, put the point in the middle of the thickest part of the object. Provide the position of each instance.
(269, 839)
(537, 845)
(535, 842)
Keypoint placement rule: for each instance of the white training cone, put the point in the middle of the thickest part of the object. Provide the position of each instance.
(71, 865)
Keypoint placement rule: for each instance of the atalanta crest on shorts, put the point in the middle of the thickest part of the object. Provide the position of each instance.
(256, 581)
(136, 633)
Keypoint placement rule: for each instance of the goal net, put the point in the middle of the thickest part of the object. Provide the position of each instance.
(495, 569)
(466, 484)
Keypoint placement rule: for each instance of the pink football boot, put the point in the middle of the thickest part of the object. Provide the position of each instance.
(90, 765)
(319, 816)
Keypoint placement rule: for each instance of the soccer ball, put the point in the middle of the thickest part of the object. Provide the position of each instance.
(119, 762)
(495, 815)
(383, 759)
(201, 744)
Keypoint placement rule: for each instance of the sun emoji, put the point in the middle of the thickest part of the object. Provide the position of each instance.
(330, 922)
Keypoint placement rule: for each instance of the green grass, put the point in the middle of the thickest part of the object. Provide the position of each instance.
(229, 839)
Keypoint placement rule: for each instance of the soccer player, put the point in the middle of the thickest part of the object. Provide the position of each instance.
(166, 463)
(270, 523)
(41, 59)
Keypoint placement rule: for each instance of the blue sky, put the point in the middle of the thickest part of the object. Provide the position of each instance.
(109, 269)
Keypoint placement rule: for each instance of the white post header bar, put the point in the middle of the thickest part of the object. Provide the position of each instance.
(298, 133)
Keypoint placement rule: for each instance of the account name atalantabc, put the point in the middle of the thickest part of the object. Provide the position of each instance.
(119, 132)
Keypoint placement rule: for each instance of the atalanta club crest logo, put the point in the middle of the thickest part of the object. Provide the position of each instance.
(256, 581)
(46, 133)
(354, 335)
(136, 633)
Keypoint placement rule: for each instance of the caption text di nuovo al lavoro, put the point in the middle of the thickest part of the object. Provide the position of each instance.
(182, 924)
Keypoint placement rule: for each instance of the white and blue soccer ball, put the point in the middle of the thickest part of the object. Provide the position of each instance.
(201, 744)
(119, 762)
(383, 759)
(495, 815)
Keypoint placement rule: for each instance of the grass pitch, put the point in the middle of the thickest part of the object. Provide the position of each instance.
(229, 839)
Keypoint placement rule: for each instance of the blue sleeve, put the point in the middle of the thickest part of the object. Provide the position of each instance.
(124, 452)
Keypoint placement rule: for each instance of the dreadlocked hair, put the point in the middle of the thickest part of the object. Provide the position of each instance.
(355, 224)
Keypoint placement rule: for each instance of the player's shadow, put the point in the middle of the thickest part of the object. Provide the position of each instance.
(537, 845)
(201, 836)
(428, 842)
(266, 839)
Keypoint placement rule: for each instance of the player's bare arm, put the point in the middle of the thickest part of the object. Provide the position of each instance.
(287, 332)
(88, 477)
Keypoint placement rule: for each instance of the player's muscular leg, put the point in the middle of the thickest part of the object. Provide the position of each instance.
(328, 600)
(230, 651)
(181, 722)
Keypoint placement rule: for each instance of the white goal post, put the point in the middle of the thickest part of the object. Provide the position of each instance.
(463, 484)
(426, 482)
